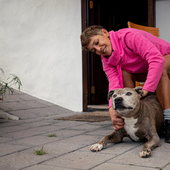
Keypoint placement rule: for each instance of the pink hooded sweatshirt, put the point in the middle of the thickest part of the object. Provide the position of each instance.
(135, 51)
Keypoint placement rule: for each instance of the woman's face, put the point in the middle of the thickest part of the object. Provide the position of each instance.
(101, 45)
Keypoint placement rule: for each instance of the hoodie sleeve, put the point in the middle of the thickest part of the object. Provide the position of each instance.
(112, 76)
(140, 45)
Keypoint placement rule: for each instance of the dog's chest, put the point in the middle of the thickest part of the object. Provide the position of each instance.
(129, 127)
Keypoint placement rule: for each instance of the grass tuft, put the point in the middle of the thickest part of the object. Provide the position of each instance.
(52, 135)
(40, 152)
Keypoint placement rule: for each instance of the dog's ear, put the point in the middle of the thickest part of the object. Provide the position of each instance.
(110, 94)
(138, 89)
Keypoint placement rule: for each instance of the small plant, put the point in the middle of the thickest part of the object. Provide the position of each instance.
(52, 135)
(40, 152)
(5, 86)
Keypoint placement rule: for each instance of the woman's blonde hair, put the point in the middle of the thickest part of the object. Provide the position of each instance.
(88, 33)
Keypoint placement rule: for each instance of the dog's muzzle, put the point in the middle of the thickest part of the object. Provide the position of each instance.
(119, 104)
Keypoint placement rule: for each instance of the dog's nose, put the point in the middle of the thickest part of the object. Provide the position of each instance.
(118, 100)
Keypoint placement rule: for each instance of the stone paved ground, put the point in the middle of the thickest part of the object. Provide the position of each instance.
(69, 150)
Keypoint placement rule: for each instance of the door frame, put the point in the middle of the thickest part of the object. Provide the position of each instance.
(85, 54)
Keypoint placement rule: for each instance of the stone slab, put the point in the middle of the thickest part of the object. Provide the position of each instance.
(157, 159)
(7, 148)
(46, 167)
(117, 149)
(114, 166)
(79, 160)
(22, 159)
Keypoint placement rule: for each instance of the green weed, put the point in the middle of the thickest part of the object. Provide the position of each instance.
(40, 152)
(52, 135)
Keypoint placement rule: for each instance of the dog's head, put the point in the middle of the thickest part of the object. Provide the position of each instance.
(126, 101)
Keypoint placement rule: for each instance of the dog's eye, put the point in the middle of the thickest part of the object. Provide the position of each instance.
(114, 95)
(128, 94)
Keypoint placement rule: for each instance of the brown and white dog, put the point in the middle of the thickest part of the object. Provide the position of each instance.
(143, 119)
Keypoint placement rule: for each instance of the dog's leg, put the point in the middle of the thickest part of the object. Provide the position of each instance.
(153, 142)
(114, 137)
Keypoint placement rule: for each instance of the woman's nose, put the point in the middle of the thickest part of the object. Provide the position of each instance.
(98, 49)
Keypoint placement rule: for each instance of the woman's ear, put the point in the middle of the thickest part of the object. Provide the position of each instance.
(105, 32)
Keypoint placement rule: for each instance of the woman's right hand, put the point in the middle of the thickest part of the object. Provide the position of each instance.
(117, 121)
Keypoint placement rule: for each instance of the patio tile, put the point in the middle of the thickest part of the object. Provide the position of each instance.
(117, 149)
(66, 133)
(59, 148)
(157, 159)
(167, 167)
(34, 140)
(24, 114)
(86, 127)
(4, 139)
(82, 139)
(7, 148)
(46, 167)
(13, 106)
(112, 166)
(22, 159)
(78, 160)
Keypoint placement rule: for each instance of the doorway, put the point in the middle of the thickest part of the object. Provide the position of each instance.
(112, 15)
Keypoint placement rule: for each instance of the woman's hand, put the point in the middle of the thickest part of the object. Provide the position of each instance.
(145, 92)
(117, 121)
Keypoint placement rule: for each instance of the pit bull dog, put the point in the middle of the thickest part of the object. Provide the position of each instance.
(143, 119)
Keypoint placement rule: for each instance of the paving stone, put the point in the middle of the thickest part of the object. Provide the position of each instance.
(13, 128)
(37, 124)
(24, 114)
(59, 148)
(68, 124)
(82, 139)
(34, 140)
(7, 148)
(21, 159)
(66, 133)
(86, 127)
(13, 106)
(24, 133)
(79, 160)
(25, 96)
(46, 167)
(165, 147)
(34, 104)
(167, 167)
(112, 166)
(103, 132)
(3, 139)
(12, 98)
(117, 149)
(53, 110)
(32, 131)
(157, 159)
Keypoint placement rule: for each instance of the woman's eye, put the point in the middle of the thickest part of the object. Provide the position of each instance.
(97, 42)
(128, 93)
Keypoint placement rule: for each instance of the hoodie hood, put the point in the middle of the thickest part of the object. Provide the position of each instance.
(115, 57)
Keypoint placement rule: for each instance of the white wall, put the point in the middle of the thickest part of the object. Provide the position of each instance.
(39, 42)
(163, 18)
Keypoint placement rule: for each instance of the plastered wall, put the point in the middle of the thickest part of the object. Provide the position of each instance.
(39, 42)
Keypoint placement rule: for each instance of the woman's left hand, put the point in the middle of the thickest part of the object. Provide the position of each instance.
(145, 92)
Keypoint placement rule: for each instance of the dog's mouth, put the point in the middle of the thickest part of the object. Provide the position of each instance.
(121, 107)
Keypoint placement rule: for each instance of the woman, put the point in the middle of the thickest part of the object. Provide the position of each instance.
(130, 55)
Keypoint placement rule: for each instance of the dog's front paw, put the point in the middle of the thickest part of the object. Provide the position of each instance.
(96, 147)
(145, 154)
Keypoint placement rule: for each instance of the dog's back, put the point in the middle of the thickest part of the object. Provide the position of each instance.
(153, 110)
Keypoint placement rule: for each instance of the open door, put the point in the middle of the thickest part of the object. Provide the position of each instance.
(112, 15)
